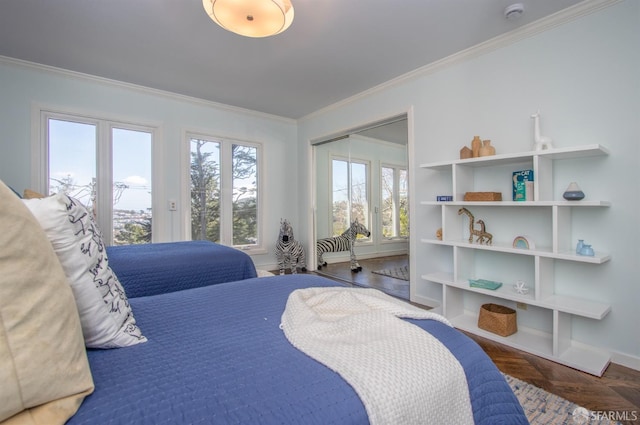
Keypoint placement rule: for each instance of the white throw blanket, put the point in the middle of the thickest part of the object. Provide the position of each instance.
(402, 374)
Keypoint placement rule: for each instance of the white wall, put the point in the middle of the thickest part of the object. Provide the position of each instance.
(583, 75)
(22, 86)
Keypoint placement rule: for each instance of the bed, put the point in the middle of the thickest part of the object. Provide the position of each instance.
(151, 269)
(216, 354)
(197, 351)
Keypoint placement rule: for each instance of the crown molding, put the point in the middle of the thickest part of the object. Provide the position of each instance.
(529, 30)
(5, 60)
(559, 18)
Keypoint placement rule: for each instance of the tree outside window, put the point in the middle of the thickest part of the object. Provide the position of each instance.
(205, 190)
(231, 220)
(395, 207)
(350, 180)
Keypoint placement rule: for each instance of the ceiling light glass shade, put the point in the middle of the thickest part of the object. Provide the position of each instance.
(251, 18)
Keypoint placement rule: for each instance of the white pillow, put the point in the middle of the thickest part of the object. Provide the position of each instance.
(106, 317)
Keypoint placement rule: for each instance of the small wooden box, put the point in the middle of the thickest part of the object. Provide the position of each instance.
(498, 319)
(483, 196)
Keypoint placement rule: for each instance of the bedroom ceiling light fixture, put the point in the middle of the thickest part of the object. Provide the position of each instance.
(251, 18)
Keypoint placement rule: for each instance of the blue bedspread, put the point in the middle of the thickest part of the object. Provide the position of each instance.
(158, 268)
(216, 355)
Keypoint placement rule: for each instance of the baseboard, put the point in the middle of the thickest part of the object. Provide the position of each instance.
(267, 267)
(332, 257)
(626, 360)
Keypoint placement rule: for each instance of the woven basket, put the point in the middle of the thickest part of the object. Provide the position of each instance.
(483, 196)
(498, 319)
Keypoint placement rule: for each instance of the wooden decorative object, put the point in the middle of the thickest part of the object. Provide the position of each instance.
(466, 153)
(439, 234)
(483, 196)
(498, 319)
(475, 146)
(523, 242)
(486, 149)
(482, 235)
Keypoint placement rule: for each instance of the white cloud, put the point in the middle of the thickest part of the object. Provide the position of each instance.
(135, 181)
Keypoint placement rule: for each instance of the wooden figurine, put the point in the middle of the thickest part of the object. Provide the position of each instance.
(482, 237)
(466, 153)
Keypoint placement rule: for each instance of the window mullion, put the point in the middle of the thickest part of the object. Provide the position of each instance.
(104, 183)
(226, 192)
(396, 202)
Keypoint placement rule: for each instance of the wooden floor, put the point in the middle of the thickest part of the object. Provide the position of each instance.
(617, 391)
(390, 285)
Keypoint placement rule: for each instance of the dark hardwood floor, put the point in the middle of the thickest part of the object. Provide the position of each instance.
(390, 285)
(617, 392)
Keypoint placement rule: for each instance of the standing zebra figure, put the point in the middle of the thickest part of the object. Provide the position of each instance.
(288, 250)
(344, 242)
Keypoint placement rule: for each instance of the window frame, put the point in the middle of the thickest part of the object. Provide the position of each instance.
(40, 116)
(350, 160)
(226, 188)
(397, 168)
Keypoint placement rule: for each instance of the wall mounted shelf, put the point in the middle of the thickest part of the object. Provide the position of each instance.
(553, 218)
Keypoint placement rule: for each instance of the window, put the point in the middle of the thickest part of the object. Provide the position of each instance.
(225, 191)
(107, 166)
(132, 218)
(395, 218)
(350, 189)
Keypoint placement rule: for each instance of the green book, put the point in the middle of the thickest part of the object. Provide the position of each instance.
(485, 284)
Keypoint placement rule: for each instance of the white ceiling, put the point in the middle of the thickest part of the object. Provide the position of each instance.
(333, 50)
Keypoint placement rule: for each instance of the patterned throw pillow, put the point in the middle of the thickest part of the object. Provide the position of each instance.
(106, 317)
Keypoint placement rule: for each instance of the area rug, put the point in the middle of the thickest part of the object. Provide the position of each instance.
(544, 408)
(396, 272)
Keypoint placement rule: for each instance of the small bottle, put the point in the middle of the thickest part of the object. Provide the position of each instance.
(486, 149)
(579, 246)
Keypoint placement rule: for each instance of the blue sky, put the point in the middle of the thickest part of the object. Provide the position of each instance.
(73, 153)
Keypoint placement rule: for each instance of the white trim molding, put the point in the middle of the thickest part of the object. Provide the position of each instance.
(559, 18)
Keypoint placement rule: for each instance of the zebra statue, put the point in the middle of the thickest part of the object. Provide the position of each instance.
(288, 250)
(344, 242)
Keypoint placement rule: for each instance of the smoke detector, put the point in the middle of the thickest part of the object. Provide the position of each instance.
(513, 12)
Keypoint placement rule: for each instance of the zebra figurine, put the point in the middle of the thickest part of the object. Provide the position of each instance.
(288, 250)
(344, 242)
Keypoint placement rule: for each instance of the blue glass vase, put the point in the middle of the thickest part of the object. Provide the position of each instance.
(587, 251)
(579, 246)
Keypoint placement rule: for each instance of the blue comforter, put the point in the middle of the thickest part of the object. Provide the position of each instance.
(216, 355)
(157, 268)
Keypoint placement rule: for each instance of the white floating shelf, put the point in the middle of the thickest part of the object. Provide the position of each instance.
(541, 344)
(510, 158)
(563, 303)
(520, 203)
(549, 219)
(597, 258)
(535, 342)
